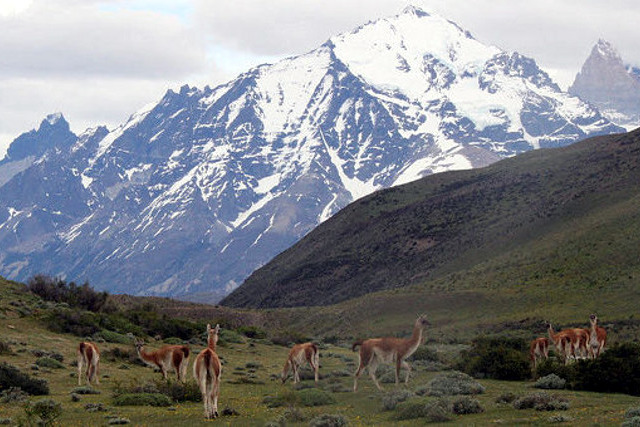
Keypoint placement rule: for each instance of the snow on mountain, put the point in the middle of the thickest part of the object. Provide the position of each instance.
(607, 83)
(196, 191)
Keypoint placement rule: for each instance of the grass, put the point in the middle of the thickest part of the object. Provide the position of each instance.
(362, 408)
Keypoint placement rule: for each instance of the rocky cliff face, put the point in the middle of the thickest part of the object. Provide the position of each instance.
(196, 191)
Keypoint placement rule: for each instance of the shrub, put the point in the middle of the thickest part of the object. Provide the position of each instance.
(114, 337)
(57, 290)
(292, 415)
(288, 337)
(44, 411)
(6, 421)
(541, 401)
(632, 412)
(178, 391)
(315, 397)
(550, 382)
(391, 398)
(5, 348)
(13, 395)
(128, 355)
(94, 407)
(617, 370)
(85, 390)
(47, 362)
(10, 376)
(288, 398)
(328, 420)
(507, 397)
(453, 383)
(228, 336)
(497, 358)
(50, 354)
(142, 399)
(466, 405)
(631, 422)
(252, 332)
(560, 419)
(424, 353)
(119, 421)
(433, 411)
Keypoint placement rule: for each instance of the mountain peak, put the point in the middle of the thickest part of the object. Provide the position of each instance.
(414, 10)
(606, 50)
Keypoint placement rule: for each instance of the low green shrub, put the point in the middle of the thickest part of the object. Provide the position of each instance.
(391, 398)
(550, 382)
(432, 411)
(142, 399)
(10, 376)
(497, 358)
(43, 412)
(119, 421)
(632, 412)
(506, 397)
(328, 420)
(252, 332)
(5, 348)
(466, 405)
(559, 419)
(541, 401)
(85, 390)
(315, 397)
(178, 391)
(113, 337)
(424, 353)
(13, 395)
(51, 354)
(617, 370)
(47, 362)
(453, 383)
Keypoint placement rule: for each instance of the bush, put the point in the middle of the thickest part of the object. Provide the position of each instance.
(617, 370)
(466, 405)
(5, 348)
(10, 376)
(550, 382)
(453, 383)
(560, 419)
(632, 412)
(424, 353)
(315, 397)
(391, 398)
(178, 391)
(114, 337)
(44, 412)
(507, 397)
(85, 390)
(228, 336)
(288, 398)
(497, 358)
(433, 411)
(47, 362)
(57, 290)
(328, 420)
(287, 337)
(119, 421)
(50, 354)
(142, 399)
(541, 401)
(13, 395)
(252, 332)
(117, 354)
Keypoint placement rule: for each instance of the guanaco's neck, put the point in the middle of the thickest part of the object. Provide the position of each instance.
(211, 342)
(416, 336)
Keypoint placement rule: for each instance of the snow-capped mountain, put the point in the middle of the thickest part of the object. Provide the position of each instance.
(613, 87)
(193, 193)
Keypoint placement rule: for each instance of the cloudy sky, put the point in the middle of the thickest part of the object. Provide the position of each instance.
(97, 61)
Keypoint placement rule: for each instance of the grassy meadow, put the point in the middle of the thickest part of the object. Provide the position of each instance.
(250, 379)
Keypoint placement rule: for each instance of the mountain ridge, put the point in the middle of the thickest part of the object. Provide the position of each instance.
(192, 193)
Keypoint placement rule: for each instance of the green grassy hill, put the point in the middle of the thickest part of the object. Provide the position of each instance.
(548, 234)
(250, 369)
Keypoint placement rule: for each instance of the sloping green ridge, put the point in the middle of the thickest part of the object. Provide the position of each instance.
(560, 225)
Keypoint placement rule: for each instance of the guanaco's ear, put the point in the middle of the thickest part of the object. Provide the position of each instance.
(217, 328)
(208, 327)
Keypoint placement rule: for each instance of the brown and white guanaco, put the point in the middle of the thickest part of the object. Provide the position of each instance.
(207, 371)
(169, 357)
(299, 355)
(88, 362)
(388, 350)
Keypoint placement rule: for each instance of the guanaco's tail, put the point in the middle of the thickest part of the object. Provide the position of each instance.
(356, 344)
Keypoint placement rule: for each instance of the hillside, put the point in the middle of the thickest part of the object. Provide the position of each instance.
(559, 222)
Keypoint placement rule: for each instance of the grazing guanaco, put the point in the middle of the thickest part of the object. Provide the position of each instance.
(169, 357)
(598, 337)
(388, 350)
(298, 356)
(539, 349)
(89, 357)
(563, 342)
(207, 371)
